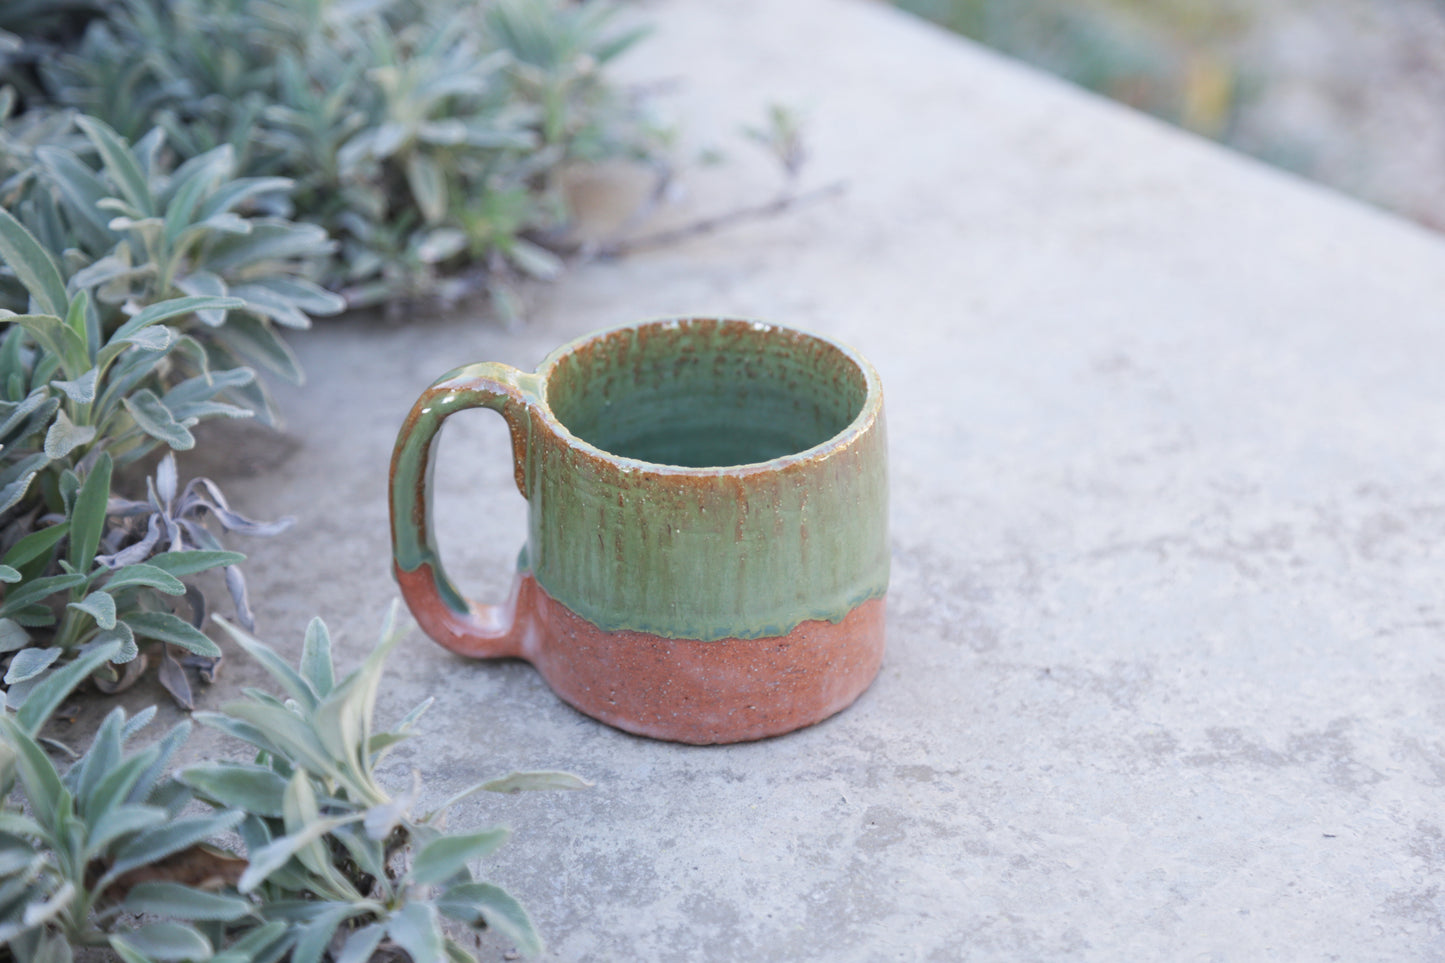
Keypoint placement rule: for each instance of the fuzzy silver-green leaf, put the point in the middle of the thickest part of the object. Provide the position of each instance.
(164, 898)
(29, 663)
(276, 854)
(466, 902)
(145, 575)
(65, 436)
(416, 928)
(87, 518)
(155, 419)
(165, 627)
(100, 606)
(255, 789)
(442, 858)
(164, 941)
(45, 697)
(12, 636)
(33, 265)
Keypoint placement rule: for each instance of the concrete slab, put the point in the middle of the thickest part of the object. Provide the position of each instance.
(1165, 676)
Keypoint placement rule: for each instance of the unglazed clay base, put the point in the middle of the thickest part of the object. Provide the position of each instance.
(683, 690)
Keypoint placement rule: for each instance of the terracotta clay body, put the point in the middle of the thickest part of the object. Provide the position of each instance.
(707, 531)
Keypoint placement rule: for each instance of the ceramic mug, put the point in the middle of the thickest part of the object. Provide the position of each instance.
(707, 548)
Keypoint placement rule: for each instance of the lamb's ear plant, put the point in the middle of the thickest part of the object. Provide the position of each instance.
(144, 234)
(343, 861)
(426, 136)
(104, 840)
(438, 126)
(113, 852)
(557, 57)
(74, 400)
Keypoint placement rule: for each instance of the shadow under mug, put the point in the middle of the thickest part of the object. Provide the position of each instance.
(707, 548)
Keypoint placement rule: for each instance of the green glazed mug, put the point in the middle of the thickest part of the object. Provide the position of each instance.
(707, 538)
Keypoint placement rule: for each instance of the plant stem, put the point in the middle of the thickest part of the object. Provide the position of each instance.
(621, 247)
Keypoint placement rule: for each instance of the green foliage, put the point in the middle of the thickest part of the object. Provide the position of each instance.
(335, 866)
(426, 136)
(67, 866)
(1176, 60)
(100, 370)
(129, 231)
(781, 135)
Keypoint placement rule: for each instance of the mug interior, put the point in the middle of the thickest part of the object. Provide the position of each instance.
(704, 393)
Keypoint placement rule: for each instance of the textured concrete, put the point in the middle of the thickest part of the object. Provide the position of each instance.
(1165, 676)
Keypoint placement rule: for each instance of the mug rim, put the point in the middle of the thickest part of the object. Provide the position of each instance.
(867, 414)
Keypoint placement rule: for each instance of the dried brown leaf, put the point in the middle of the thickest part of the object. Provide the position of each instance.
(201, 866)
(128, 676)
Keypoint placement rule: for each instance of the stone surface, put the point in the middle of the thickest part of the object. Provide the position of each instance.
(1165, 677)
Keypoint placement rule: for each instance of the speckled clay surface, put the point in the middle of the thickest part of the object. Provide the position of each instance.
(707, 544)
(684, 690)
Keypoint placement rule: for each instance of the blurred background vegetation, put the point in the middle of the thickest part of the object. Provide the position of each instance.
(1348, 92)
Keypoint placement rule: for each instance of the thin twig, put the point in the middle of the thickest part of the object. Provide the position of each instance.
(620, 247)
(663, 176)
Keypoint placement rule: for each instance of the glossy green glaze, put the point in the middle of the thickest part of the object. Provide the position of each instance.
(693, 479)
(487, 385)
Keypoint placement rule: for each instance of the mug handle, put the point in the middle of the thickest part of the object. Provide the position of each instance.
(463, 626)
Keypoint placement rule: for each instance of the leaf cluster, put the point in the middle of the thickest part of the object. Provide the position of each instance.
(115, 852)
(426, 136)
(130, 227)
(133, 297)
